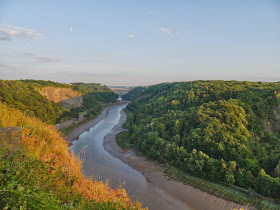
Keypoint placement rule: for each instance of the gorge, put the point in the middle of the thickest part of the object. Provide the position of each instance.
(150, 187)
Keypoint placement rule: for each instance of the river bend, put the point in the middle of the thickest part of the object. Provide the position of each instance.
(101, 164)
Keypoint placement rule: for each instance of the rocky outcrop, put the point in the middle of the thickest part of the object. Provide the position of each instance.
(57, 94)
(66, 96)
(73, 102)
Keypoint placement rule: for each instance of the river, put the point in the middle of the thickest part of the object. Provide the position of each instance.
(101, 164)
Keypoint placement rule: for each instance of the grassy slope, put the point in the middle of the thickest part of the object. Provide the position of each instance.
(45, 175)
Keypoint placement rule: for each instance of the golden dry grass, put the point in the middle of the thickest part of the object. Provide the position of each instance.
(46, 143)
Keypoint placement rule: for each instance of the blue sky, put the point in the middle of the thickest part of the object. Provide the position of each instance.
(133, 42)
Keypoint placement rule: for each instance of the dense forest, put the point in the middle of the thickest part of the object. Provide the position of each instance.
(23, 95)
(132, 94)
(222, 131)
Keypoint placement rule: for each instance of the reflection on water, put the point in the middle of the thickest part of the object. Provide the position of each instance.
(104, 166)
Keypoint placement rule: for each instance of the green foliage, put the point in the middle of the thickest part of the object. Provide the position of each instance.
(93, 95)
(91, 104)
(267, 185)
(277, 169)
(23, 95)
(25, 183)
(223, 131)
(123, 139)
(231, 193)
(133, 94)
(44, 175)
(86, 88)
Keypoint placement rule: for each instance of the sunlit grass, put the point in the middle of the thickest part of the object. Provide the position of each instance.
(48, 165)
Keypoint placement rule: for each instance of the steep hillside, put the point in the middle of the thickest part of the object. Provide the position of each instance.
(223, 131)
(73, 102)
(23, 96)
(67, 97)
(53, 102)
(133, 94)
(45, 176)
(57, 94)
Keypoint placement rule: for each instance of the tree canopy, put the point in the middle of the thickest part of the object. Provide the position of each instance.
(223, 131)
(23, 95)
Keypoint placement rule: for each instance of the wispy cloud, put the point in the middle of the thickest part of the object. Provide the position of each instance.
(7, 32)
(131, 36)
(166, 30)
(41, 58)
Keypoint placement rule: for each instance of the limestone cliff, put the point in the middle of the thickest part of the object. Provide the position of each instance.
(73, 102)
(66, 96)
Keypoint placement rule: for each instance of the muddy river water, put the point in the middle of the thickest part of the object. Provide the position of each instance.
(98, 162)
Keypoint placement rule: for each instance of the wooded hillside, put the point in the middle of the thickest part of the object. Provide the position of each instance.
(222, 131)
(24, 95)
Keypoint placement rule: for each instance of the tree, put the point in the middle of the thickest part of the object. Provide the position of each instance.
(277, 169)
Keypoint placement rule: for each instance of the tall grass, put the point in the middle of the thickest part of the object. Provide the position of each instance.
(46, 168)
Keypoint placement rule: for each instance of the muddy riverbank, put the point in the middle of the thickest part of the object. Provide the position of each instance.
(144, 180)
(154, 173)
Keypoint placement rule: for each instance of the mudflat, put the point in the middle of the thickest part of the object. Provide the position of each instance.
(153, 171)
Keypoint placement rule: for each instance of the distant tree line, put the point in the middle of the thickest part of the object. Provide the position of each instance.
(132, 94)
